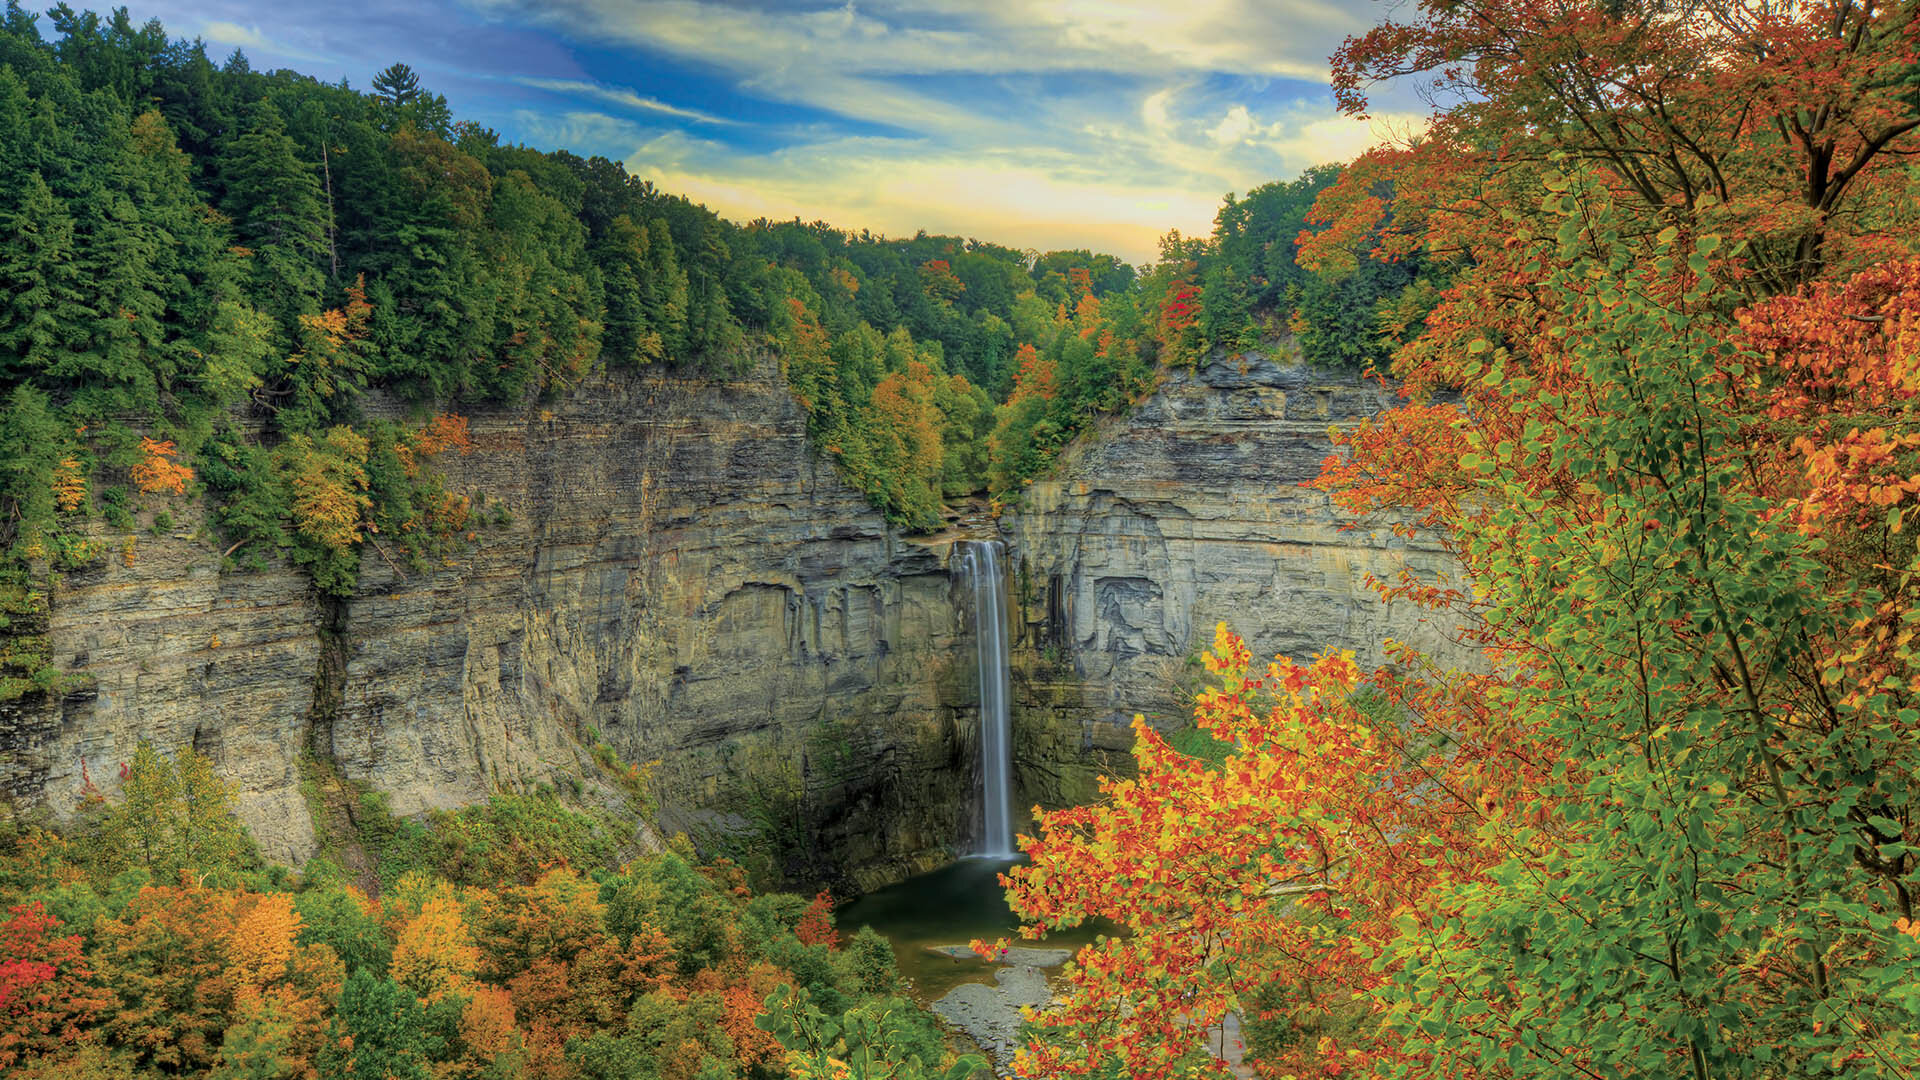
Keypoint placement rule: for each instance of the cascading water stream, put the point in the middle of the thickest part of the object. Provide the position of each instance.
(979, 563)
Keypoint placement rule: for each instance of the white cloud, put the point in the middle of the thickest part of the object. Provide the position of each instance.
(1079, 121)
(841, 58)
(620, 95)
(1233, 127)
(246, 37)
(581, 131)
(223, 32)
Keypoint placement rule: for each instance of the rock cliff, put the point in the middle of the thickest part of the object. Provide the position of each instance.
(679, 575)
(676, 573)
(1185, 513)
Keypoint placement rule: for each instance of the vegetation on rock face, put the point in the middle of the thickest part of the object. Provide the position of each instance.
(150, 941)
(1670, 829)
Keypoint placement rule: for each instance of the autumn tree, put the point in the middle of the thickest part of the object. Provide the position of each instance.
(1626, 850)
(165, 958)
(1780, 125)
(48, 999)
(326, 481)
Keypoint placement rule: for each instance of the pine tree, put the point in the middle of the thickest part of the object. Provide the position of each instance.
(378, 1033)
(397, 86)
(279, 213)
(43, 303)
(667, 310)
(32, 442)
(624, 257)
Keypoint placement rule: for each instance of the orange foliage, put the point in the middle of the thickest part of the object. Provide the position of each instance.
(1314, 802)
(329, 482)
(1841, 433)
(166, 957)
(69, 486)
(444, 432)
(434, 955)
(1033, 376)
(546, 943)
(909, 420)
(487, 1023)
(157, 471)
(816, 924)
(261, 947)
(1086, 315)
(753, 1047)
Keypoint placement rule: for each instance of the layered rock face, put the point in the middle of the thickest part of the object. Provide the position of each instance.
(1188, 512)
(680, 575)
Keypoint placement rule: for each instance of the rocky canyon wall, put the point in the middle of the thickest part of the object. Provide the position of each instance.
(679, 574)
(1185, 513)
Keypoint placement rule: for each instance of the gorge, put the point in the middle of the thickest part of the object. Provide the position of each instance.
(676, 573)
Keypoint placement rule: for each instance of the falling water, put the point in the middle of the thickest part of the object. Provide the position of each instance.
(979, 563)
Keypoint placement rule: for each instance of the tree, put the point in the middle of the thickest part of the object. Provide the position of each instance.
(43, 301)
(378, 1033)
(47, 995)
(1622, 851)
(165, 958)
(875, 1041)
(433, 954)
(397, 86)
(173, 815)
(397, 90)
(274, 200)
(327, 482)
(259, 1045)
(1779, 125)
(33, 443)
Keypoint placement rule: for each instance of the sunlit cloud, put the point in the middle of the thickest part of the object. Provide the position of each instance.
(1029, 122)
(898, 187)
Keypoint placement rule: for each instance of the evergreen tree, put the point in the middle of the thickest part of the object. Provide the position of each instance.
(666, 300)
(624, 254)
(396, 86)
(32, 445)
(43, 301)
(278, 212)
(377, 1033)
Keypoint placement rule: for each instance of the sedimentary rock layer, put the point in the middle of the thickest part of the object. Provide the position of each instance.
(1185, 513)
(678, 572)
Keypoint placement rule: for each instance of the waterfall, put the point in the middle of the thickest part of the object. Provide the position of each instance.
(979, 566)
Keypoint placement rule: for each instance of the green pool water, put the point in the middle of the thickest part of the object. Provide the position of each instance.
(950, 906)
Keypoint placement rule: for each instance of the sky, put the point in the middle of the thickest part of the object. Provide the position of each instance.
(1033, 123)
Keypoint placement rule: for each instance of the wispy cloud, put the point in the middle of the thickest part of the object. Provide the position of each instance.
(620, 95)
(223, 32)
(1032, 122)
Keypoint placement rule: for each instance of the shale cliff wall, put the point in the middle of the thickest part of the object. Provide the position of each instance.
(1185, 513)
(680, 574)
